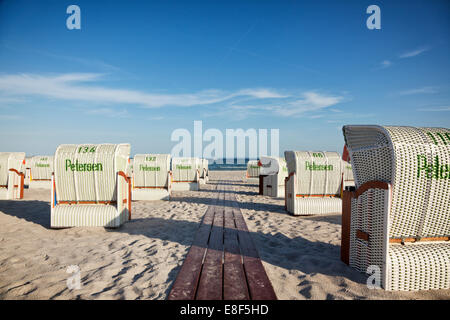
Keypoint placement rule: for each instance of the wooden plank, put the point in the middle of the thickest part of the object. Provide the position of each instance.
(185, 285)
(259, 285)
(345, 226)
(231, 260)
(210, 284)
(234, 280)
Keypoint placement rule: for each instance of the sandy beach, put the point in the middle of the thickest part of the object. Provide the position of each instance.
(141, 259)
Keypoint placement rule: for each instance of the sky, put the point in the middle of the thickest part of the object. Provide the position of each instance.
(138, 70)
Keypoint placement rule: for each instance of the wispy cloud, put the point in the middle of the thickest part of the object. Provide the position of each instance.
(423, 90)
(415, 52)
(83, 87)
(308, 104)
(435, 109)
(88, 88)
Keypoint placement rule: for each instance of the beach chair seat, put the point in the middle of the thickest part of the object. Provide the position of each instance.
(152, 178)
(313, 184)
(273, 172)
(252, 173)
(90, 187)
(398, 218)
(11, 175)
(185, 174)
(40, 173)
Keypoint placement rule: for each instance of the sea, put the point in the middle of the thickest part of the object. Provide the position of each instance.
(227, 164)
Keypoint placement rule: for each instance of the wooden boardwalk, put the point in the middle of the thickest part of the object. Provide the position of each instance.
(222, 263)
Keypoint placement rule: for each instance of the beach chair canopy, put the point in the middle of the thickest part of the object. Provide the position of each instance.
(41, 167)
(185, 169)
(150, 170)
(318, 173)
(10, 160)
(89, 172)
(252, 169)
(403, 178)
(416, 162)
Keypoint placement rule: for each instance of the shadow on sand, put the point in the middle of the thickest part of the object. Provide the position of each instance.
(309, 257)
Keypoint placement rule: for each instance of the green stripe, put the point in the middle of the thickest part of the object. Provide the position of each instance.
(432, 137)
(442, 138)
(447, 135)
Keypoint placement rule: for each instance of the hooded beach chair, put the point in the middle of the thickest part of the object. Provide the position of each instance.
(204, 171)
(11, 175)
(273, 171)
(252, 174)
(313, 184)
(185, 174)
(90, 187)
(347, 174)
(397, 221)
(151, 177)
(130, 168)
(27, 171)
(40, 173)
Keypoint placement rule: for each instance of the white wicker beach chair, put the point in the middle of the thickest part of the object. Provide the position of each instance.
(152, 178)
(41, 170)
(27, 171)
(252, 174)
(313, 185)
(398, 219)
(273, 172)
(130, 167)
(11, 175)
(204, 171)
(185, 174)
(347, 176)
(90, 187)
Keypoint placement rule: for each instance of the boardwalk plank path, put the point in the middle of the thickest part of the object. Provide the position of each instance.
(223, 262)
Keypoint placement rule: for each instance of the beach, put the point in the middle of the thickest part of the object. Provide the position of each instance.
(141, 259)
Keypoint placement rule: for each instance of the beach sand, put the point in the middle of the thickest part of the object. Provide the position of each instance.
(141, 259)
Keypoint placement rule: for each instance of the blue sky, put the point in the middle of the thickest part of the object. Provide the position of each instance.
(137, 70)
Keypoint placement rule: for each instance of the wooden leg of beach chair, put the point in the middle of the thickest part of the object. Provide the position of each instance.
(345, 226)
